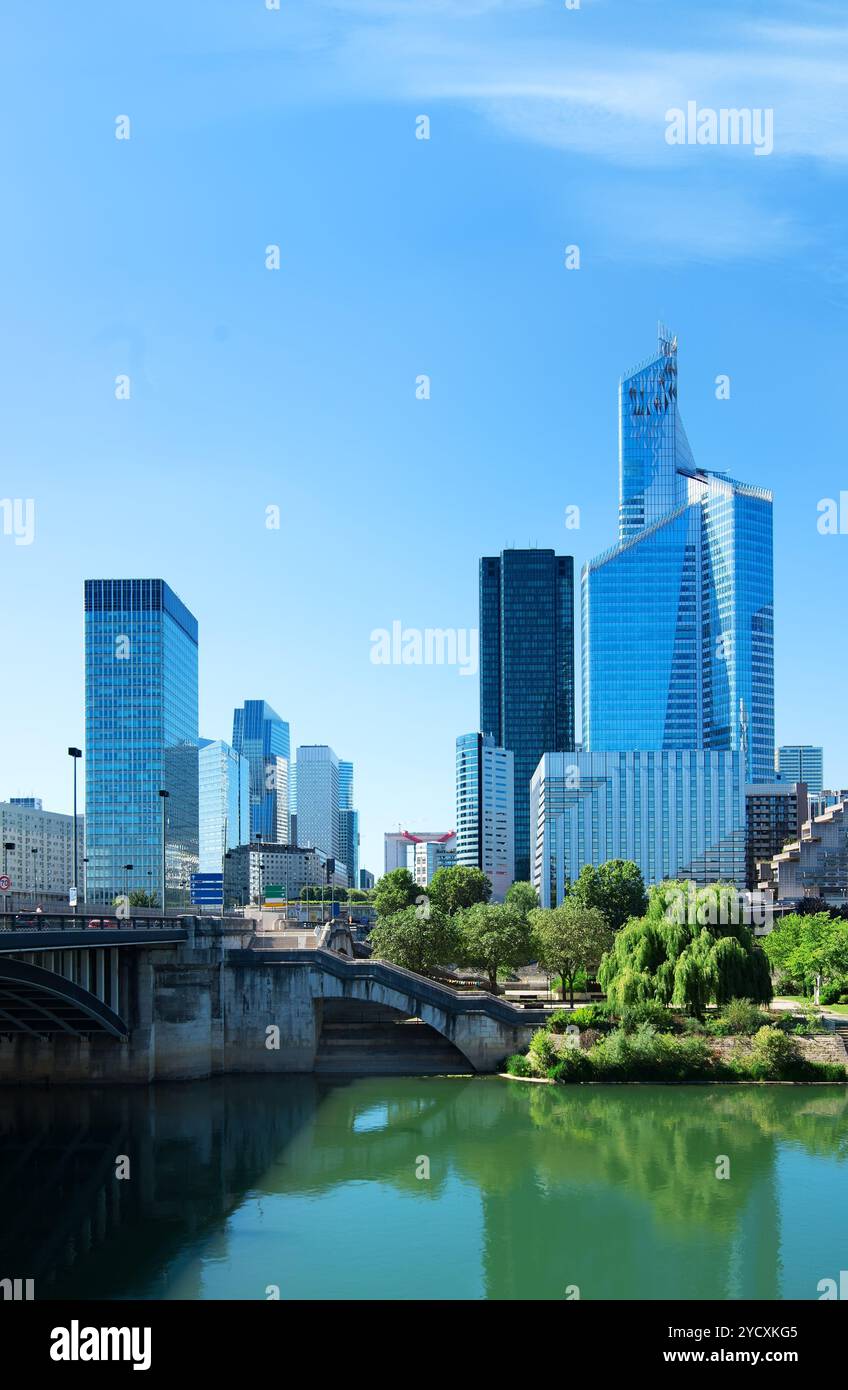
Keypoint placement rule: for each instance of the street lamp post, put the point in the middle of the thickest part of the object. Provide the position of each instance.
(34, 874)
(75, 753)
(260, 868)
(127, 870)
(164, 795)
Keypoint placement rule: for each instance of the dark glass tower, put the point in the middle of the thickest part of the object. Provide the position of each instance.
(141, 737)
(527, 667)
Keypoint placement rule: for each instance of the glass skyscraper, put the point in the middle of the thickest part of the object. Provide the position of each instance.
(141, 737)
(318, 799)
(345, 785)
(527, 667)
(262, 737)
(348, 824)
(677, 618)
(224, 779)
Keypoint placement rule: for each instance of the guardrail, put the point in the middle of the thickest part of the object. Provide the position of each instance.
(67, 921)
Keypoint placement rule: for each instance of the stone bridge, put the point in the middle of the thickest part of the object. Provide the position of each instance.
(201, 997)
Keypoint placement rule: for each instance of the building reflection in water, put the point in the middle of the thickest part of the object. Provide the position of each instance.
(613, 1190)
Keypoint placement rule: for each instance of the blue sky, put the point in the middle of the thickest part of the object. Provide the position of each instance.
(253, 388)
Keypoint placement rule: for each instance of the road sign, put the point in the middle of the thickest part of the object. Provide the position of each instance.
(72, 897)
(5, 883)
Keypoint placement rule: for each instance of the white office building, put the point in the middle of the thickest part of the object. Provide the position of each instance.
(42, 857)
(677, 813)
(485, 809)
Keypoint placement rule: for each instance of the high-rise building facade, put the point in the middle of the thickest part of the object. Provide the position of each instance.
(349, 843)
(527, 667)
(485, 809)
(802, 762)
(346, 801)
(348, 824)
(141, 738)
(318, 798)
(42, 860)
(774, 814)
(677, 618)
(677, 814)
(224, 802)
(261, 736)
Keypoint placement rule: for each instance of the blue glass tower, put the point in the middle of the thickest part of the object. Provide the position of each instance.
(677, 618)
(224, 799)
(141, 737)
(527, 667)
(262, 737)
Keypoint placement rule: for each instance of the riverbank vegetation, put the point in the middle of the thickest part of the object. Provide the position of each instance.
(650, 1043)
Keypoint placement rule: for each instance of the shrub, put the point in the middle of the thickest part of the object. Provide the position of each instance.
(693, 1027)
(518, 1065)
(543, 1050)
(572, 1066)
(590, 1016)
(774, 1055)
(650, 1056)
(740, 1017)
(649, 1011)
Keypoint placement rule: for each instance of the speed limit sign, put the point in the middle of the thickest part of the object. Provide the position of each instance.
(5, 883)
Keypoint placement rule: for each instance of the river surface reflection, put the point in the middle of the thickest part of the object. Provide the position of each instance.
(244, 1185)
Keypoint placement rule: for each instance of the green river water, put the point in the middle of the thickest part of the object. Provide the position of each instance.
(299, 1187)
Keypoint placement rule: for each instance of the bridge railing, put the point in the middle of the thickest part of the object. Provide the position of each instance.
(67, 921)
(420, 987)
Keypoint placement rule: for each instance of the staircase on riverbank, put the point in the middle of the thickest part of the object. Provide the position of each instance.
(368, 1040)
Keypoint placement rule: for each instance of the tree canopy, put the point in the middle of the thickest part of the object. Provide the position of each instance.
(812, 949)
(395, 891)
(616, 887)
(522, 897)
(687, 949)
(451, 890)
(569, 938)
(417, 940)
(494, 935)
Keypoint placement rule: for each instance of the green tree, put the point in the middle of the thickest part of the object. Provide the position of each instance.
(451, 890)
(569, 938)
(494, 935)
(522, 897)
(689, 947)
(810, 948)
(138, 898)
(616, 887)
(417, 939)
(394, 892)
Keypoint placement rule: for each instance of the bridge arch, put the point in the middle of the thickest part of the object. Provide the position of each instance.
(37, 1002)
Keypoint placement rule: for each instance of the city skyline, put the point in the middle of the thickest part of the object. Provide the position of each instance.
(296, 389)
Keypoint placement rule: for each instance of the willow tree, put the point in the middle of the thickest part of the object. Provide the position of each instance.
(690, 947)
